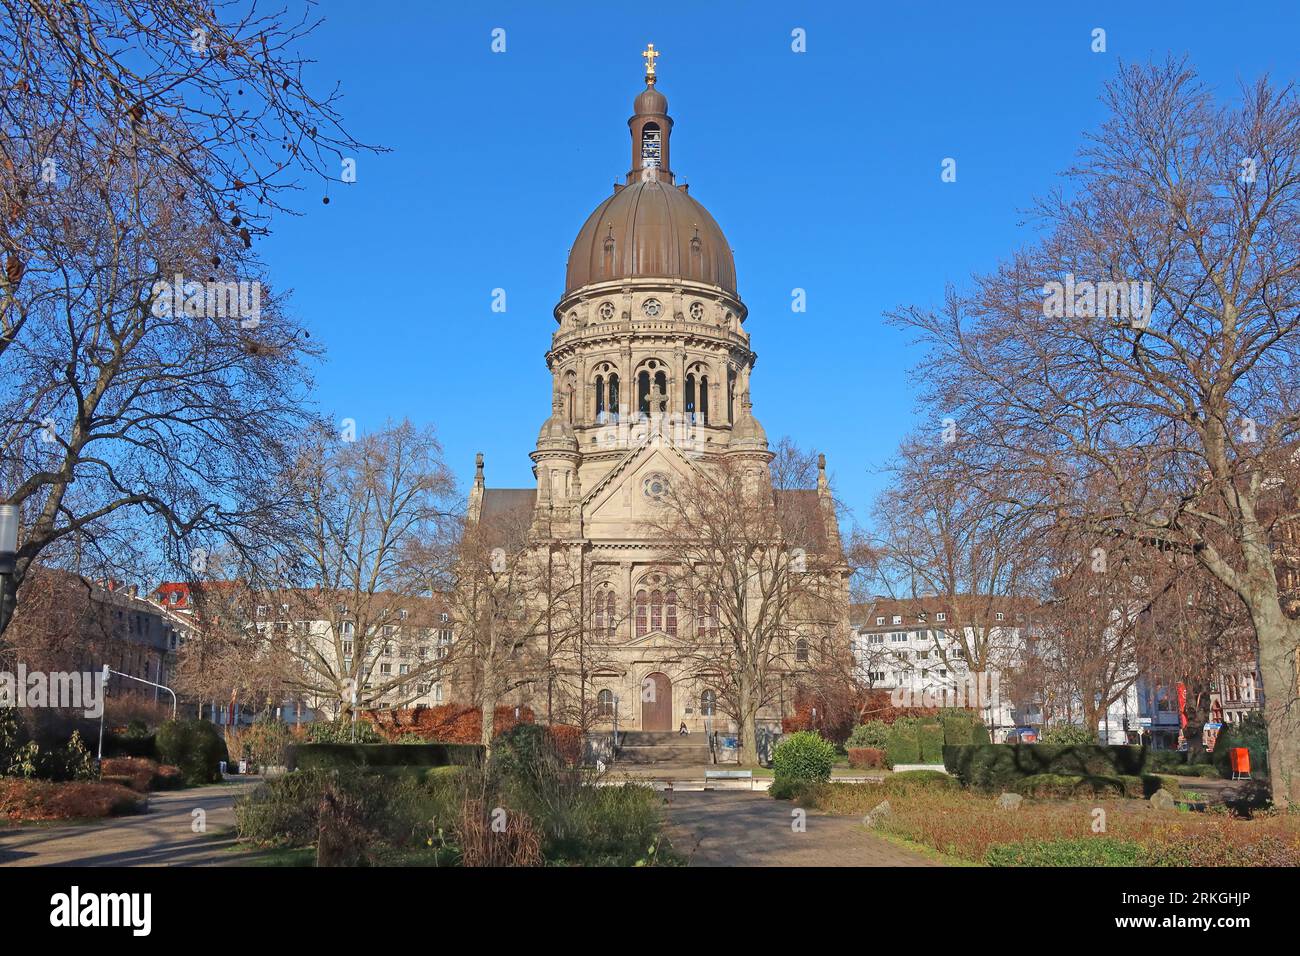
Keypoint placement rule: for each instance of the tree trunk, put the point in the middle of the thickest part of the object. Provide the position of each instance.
(487, 705)
(1278, 666)
(747, 753)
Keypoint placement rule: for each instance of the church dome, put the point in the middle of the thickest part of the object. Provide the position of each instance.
(651, 229)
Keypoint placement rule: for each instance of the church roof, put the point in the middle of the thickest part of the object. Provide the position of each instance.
(651, 229)
(504, 503)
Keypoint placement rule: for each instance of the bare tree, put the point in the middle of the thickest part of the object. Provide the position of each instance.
(151, 385)
(944, 541)
(376, 514)
(764, 570)
(1134, 371)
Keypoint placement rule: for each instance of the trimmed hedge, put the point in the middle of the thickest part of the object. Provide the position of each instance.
(866, 758)
(873, 734)
(1003, 766)
(345, 756)
(930, 737)
(902, 745)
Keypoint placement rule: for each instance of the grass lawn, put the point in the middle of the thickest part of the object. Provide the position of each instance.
(966, 826)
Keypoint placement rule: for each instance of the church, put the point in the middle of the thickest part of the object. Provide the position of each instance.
(651, 368)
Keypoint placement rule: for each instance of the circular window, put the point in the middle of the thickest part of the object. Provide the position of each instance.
(655, 486)
(652, 307)
(607, 310)
(697, 311)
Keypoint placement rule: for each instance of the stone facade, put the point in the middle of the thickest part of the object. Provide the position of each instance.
(651, 368)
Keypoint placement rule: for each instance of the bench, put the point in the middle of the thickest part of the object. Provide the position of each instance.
(743, 779)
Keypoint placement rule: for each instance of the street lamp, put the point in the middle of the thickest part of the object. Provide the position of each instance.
(8, 561)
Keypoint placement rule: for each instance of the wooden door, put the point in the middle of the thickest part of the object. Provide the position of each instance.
(656, 703)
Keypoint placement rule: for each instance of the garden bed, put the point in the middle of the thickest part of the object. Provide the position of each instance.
(24, 801)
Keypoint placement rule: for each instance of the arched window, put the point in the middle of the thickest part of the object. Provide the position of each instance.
(656, 610)
(801, 650)
(600, 399)
(704, 399)
(613, 396)
(688, 398)
(708, 701)
(643, 394)
(599, 622)
(651, 143)
(605, 703)
(670, 613)
(640, 613)
(661, 389)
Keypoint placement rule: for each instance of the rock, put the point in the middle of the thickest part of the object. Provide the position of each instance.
(1010, 801)
(877, 813)
(1162, 800)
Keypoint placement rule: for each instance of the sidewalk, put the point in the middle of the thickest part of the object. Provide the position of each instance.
(752, 829)
(162, 837)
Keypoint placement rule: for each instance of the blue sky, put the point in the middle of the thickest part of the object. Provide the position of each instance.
(823, 169)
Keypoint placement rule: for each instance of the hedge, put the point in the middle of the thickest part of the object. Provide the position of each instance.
(902, 745)
(1002, 766)
(866, 758)
(930, 739)
(195, 747)
(339, 756)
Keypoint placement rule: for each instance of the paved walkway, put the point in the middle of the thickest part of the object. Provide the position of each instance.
(735, 828)
(161, 837)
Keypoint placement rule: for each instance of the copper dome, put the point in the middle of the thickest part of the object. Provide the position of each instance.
(651, 229)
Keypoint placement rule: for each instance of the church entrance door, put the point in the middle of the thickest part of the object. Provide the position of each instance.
(656, 702)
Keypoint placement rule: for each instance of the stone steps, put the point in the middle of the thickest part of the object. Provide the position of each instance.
(643, 747)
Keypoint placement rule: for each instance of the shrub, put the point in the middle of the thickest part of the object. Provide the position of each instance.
(1169, 761)
(287, 811)
(930, 739)
(342, 730)
(141, 774)
(195, 747)
(74, 800)
(1047, 785)
(803, 756)
(267, 742)
(958, 727)
(797, 790)
(866, 758)
(902, 745)
(1068, 735)
(872, 734)
(980, 735)
(1094, 851)
(1002, 766)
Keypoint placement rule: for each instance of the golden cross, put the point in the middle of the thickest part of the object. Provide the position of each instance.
(650, 55)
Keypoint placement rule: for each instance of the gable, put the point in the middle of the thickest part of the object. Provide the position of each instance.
(618, 506)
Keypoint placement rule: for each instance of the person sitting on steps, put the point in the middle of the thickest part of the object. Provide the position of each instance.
(683, 731)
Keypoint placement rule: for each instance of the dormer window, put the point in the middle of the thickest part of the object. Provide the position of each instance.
(941, 617)
(898, 619)
(880, 621)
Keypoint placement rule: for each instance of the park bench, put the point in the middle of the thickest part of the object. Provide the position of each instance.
(729, 779)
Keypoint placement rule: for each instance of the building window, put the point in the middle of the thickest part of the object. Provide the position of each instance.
(880, 621)
(605, 703)
(708, 700)
(600, 399)
(801, 650)
(688, 398)
(706, 615)
(898, 619)
(641, 613)
(443, 617)
(1000, 615)
(670, 614)
(261, 611)
(941, 617)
